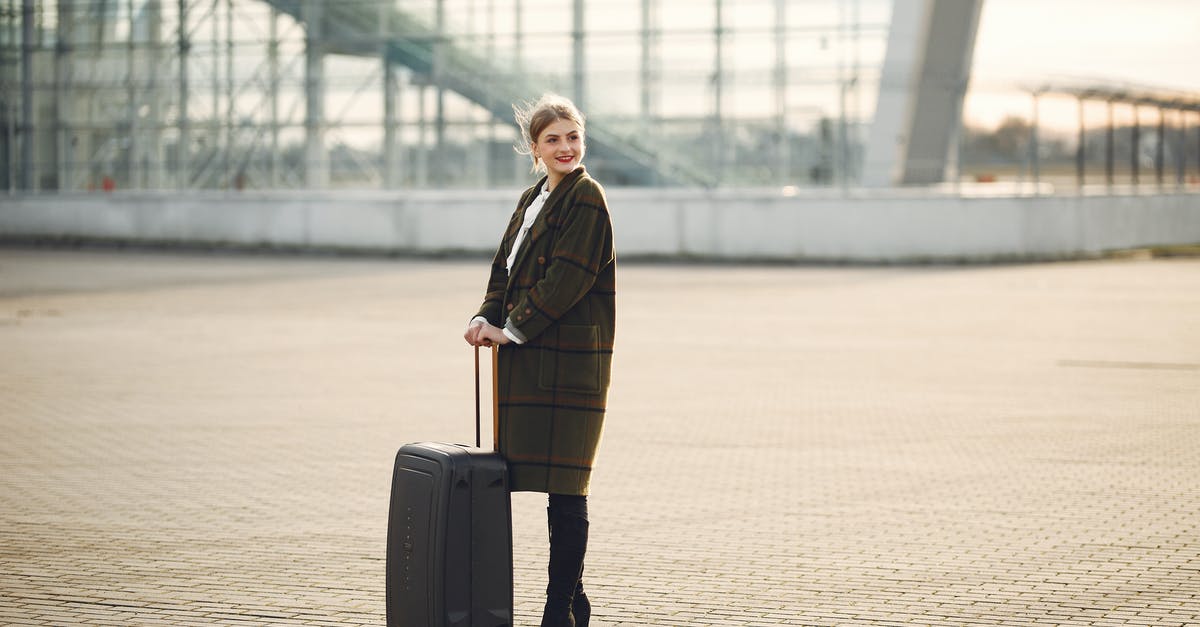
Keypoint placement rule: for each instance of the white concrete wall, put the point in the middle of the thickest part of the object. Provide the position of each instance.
(892, 226)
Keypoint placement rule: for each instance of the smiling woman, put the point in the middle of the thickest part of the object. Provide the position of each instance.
(551, 304)
(554, 127)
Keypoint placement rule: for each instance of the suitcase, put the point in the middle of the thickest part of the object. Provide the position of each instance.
(449, 539)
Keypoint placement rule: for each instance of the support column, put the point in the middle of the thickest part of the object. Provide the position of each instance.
(490, 178)
(853, 166)
(156, 172)
(26, 134)
(316, 161)
(274, 168)
(437, 164)
(214, 118)
(1160, 149)
(1181, 143)
(520, 164)
(782, 166)
(1110, 151)
(718, 80)
(648, 73)
(8, 108)
(1135, 152)
(63, 100)
(842, 146)
(10, 129)
(1034, 160)
(518, 37)
(390, 88)
(579, 60)
(229, 181)
(133, 163)
(422, 141)
(183, 146)
(1079, 150)
(924, 75)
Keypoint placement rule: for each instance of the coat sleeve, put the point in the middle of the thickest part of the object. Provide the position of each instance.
(493, 298)
(582, 249)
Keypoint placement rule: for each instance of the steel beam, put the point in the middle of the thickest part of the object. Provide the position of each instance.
(438, 163)
(925, 71)
(183, 146)
(228, 180)
(133, 170)
(1035, 170)
(1135, 151)
(26, 135)
(1079, 150)
(718, 81)
(779, 87)
(63, 100)
(579, 56)
(156, 172)
(1110, 151)
(390, 88)
(316, 160)
(1181, 143)
(1160, 149)
(273, 97)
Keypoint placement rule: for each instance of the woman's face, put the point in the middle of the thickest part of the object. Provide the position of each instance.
(560, 147)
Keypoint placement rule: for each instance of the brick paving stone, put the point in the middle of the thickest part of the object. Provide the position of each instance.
(201, 439)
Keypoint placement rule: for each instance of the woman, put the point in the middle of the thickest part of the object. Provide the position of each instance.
(551, 303)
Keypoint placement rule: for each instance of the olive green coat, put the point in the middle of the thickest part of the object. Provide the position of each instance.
(561, 299)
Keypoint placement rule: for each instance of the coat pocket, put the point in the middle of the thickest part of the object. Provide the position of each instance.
(573, 362)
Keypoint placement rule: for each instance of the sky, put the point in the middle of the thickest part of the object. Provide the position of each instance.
(1152, 43)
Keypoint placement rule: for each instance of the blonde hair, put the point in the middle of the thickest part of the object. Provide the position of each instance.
(533, 118)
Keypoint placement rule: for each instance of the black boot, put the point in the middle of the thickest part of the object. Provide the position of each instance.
(580, 607)
(568, 544)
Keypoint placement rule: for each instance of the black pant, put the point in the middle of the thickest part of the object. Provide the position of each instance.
(567, 516)
(568, 505)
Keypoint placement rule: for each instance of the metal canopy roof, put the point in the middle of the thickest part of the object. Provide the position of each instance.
(1142, 96)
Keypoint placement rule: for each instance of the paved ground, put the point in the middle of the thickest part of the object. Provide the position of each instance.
(202, 439)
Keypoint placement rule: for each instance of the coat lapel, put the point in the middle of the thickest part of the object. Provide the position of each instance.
(518, 218)
(541, 224)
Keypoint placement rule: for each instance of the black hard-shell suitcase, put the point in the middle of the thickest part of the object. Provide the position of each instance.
(449, 542)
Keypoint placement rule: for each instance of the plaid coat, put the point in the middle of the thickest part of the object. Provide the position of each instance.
(561, 298)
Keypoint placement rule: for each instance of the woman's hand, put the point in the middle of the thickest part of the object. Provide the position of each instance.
(489, 335)
(472, 333)
(484, 334)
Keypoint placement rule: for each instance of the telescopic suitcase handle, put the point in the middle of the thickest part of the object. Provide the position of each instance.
(495, 400)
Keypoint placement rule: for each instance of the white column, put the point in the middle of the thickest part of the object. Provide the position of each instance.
(921, 86)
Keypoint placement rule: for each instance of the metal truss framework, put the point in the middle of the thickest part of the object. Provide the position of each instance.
(232, 94)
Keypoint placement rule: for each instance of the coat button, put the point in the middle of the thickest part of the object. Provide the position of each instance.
(527, 312)
(510, 306)
(541, 261)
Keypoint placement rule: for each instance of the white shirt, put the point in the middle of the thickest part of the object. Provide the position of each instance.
(531, 214)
